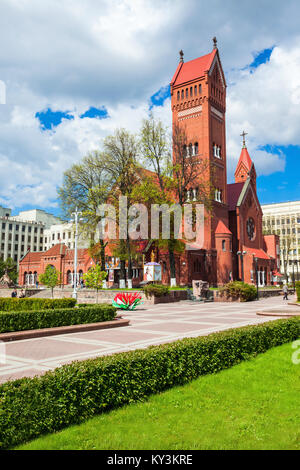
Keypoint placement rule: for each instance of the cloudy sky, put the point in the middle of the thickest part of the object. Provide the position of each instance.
(71, 72)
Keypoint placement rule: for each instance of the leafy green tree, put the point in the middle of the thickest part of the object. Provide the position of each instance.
(50, 278)
(86, 185)
(94, 278)
(121, 152)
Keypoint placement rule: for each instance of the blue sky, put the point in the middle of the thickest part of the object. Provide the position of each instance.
(78, 70)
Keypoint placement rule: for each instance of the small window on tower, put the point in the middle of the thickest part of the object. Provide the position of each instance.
(223, 245)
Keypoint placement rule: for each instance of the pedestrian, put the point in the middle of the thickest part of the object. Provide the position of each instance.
(285, 292)
(14, 293)
(22, 294)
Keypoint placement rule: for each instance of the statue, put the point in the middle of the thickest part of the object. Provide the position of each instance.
(6, 281)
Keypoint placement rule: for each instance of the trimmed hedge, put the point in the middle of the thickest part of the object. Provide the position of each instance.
(239, 290)
(32, 320)
(72, 393)
(155, 289)
(297, 284)
(15, 304)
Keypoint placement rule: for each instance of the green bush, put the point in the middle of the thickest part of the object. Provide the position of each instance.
(155, 289)
(239, 290)
(28, 303)
(36, 319)
(72, 393)
(297, 284)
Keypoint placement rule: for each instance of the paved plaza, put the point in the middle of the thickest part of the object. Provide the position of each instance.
(150, 325)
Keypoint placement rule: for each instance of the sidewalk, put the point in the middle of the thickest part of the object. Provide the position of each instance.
(150, 325)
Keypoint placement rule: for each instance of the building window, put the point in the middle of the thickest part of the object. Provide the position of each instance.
(196, 148)
(200, 89)
(178, 95)
(195, 90)
(182, 94)
(218, 195)
(223, 245)
(186, 92)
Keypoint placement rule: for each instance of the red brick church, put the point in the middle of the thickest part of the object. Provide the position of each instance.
(234, 246)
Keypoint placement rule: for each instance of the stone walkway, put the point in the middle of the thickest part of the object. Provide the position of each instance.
(149, 325)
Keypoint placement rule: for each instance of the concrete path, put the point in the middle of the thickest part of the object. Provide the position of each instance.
(149, 325)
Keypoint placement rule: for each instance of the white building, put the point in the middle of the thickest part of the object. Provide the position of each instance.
(284, 219)
(63, 233)
(23, 232)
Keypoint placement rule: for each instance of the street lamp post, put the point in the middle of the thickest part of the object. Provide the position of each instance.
(293, 263)
(76, 220)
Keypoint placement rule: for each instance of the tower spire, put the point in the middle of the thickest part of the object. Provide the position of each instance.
(181, 55)
(215, 42)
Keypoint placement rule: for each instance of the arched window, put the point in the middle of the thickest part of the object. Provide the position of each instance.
(191, 150)
(191, 91)
(195, 90)
(223, 245)
(182, 94)
(186, 92)
(196, 148)
(178, 95)
(200, 89)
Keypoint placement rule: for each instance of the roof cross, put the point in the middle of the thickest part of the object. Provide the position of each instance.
(181, 55)
(215, 42)
(243, 134)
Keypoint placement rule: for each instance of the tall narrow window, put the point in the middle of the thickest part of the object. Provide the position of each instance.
(223, 245)
(195, 90)
(200, 89)
(182, 94)
(186, 92)
(191, 91)
(178, 95)
(196, 148)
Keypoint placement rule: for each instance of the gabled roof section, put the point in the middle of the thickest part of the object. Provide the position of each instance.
(188, 71)
(233, 193)
(222, 229)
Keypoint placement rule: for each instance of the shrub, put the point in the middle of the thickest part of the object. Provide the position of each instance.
(14, 304)
(155, 289)
(239, 290)
(297, 284)
(36, 319)
(72, 393)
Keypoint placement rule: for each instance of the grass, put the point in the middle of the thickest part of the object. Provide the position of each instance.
(254, 405)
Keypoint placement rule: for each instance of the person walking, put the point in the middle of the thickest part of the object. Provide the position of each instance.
(285, 292)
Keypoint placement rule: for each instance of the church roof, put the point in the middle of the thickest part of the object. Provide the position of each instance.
(187, 71)
(245, 160)
(259, 253)
(58, 249)
(221, 228)
(233, 193)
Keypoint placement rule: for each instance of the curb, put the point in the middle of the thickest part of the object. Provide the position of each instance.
(62, 330)
(279, 314)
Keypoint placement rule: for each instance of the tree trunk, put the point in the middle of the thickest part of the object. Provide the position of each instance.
(172, 267)
(102, 255)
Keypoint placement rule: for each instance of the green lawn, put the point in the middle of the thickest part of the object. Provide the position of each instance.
(254, 405)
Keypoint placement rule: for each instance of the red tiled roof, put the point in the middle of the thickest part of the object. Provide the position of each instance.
(193, 69)
(233, 193)
(32, 257)
(221, 228)
(259, 253)
(56, 250)
(244, 159)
